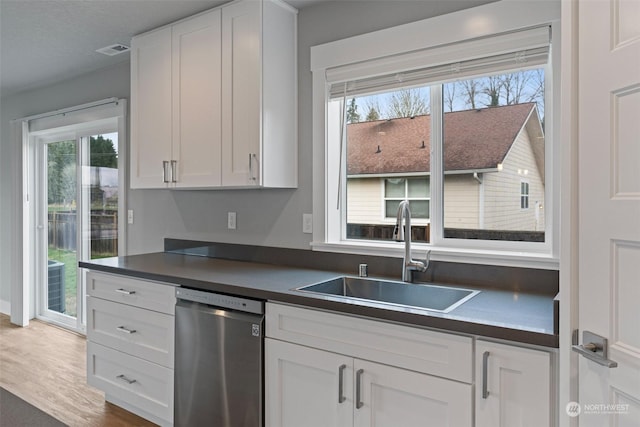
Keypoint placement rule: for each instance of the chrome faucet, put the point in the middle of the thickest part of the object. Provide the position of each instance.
(408, 264)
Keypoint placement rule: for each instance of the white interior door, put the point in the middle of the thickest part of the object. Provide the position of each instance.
(609, 208)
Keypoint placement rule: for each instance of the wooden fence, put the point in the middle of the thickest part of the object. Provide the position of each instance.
(63, 231)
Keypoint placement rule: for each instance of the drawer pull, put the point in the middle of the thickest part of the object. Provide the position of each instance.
(359, 403)
(341, 397)
(125, 379)
(125, 330)
(125, 292)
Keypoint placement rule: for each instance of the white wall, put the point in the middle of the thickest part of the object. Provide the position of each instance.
(264, 217)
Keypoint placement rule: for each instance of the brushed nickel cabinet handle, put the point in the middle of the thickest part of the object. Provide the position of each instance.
(485, 368)
(341, 397)
(125, 292)
(164, 171)
(174, 171)
(125, 330)
(359, 403)
(125, 379)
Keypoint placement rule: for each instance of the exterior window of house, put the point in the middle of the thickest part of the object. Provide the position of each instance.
(524, 195)
(415, 190)
(455, 129)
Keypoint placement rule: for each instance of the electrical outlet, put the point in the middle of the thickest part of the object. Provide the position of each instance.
(307, 223)
(231, 220)
(130, 216)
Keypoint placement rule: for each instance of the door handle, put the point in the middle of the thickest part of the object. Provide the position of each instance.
(594, 348)
(341, 397)
(359, 403)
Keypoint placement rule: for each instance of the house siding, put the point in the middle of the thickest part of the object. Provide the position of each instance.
(365, 201)
(502, 191)
(461, 202)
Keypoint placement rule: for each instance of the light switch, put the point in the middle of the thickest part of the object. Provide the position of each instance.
(231, 220)
(307, 223)
(130, 216)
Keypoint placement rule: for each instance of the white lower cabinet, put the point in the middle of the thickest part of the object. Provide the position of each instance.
(130, 348)
(309, 387)
(513, 386)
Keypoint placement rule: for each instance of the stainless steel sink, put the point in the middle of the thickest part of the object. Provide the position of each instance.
(429, 297)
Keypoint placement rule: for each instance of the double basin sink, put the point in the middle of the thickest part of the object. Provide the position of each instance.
(399, 294)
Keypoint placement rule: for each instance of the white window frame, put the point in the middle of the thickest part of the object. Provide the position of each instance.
(406, 179)
(524, 195)
(475, 24)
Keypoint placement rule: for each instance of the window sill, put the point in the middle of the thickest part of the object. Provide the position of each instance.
(461, 255)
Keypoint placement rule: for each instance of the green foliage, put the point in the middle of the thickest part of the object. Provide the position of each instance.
(103, 153)
(61, 165)
(372, 115)
(352, 112)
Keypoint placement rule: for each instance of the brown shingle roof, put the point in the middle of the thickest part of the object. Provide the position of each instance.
(473, 140)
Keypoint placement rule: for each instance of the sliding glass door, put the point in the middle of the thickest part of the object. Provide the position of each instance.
(78, 192)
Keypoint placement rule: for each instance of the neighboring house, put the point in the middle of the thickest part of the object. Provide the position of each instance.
(494, 169)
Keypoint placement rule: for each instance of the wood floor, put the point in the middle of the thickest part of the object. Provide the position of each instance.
(46, 366)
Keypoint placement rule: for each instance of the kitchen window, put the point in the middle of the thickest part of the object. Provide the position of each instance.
(474, 117)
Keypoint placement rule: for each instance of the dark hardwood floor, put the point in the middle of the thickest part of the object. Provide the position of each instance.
(46, 366)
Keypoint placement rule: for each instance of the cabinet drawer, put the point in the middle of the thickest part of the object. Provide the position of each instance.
(132, 330)
(435, 353)
(141, 384)
(139, 293)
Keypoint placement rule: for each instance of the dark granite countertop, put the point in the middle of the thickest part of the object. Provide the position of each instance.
(504, 314)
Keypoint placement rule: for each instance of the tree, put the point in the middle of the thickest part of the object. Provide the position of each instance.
(450, 95)
(59, 156)
(407, 103)
(492, 88)
(470, 89)
(372, 115)
(352, 112)
(103, 153)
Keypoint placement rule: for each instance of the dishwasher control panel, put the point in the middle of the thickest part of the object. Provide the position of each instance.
(221, 301)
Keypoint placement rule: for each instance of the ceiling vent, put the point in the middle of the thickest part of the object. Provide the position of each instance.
(114, 49)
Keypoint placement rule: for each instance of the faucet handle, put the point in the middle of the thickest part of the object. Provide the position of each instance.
(427, 258)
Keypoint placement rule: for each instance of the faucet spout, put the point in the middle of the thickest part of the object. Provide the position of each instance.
(400, 234)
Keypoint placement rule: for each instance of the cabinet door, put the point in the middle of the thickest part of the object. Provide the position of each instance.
(303, 387)
(518, 386)
(197, 101)
(391, 397)
(241, 94)
(150, 108)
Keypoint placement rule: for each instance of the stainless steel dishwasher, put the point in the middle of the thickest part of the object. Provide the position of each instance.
(218, 360)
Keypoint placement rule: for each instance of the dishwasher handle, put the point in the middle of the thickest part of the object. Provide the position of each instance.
(222, 301)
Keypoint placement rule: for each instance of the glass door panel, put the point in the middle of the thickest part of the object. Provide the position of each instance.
(81, 190)
(62, 219)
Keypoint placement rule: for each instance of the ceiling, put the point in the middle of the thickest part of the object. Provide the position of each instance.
(47, 41)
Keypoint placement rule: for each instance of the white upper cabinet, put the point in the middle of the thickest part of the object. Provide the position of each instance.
(214, 100)
(259, 94)
(150, 108)
(196, 88)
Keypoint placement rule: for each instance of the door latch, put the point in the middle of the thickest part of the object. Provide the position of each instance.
(593, 347)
